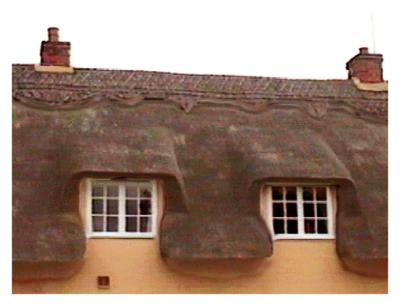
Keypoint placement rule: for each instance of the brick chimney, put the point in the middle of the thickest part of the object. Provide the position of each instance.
(54, 52)
(366, 67)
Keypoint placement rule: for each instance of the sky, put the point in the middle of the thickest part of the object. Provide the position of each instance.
(293, 39)
(288, 39)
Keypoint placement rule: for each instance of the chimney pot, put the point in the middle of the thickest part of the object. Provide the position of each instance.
(364, 50)
(53, 34)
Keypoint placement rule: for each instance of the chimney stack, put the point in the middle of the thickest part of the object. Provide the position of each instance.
(54, 52)
(366, 67)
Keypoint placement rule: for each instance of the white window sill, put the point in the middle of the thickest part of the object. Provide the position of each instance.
(303, 237)
(122, 236)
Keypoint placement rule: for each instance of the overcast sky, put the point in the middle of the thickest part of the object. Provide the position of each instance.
(295, 39)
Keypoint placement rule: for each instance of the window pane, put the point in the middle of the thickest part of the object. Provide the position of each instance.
(97, 190)
(308, 210)
(291, 194)
(308, 194)
(279, 226)
(145, 224)
(131, 224)
(131, 191)
(97, 224)
(145, 207)
(112, 224)
(322, 227)
(291, 210)
(97, 206)
(292, 226)
(309, 226)
(277, 210)
(321, 210)
(112, 207)
(131, 207)
(112, 191)
(277, 193)
(145, 192)
(321, 193)
(313, 211)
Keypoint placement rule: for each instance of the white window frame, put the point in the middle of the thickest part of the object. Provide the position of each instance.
(267, 212)
(121, 233)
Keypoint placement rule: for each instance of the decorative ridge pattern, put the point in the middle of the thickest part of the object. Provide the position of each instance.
(253, 94)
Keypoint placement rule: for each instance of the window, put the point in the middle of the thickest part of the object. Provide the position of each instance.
(123, 209)
(301, 212)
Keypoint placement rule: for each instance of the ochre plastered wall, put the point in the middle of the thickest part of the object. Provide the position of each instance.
(135, 266)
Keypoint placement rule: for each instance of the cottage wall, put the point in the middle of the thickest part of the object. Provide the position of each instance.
(136, 267)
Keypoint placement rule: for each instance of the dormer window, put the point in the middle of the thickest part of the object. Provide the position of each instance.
(300, 211)
(121, 209)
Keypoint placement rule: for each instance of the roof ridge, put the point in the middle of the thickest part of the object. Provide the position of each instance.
(231, 76)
